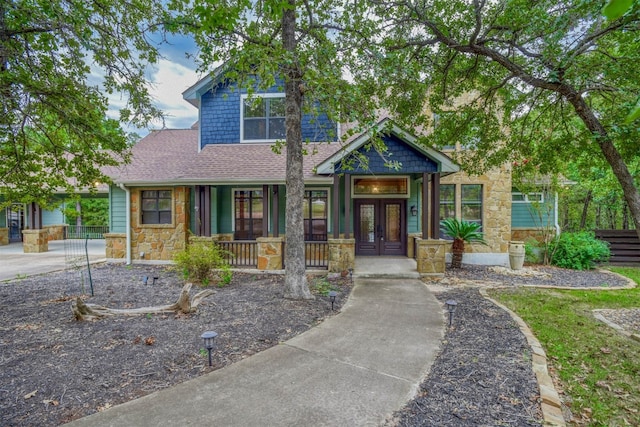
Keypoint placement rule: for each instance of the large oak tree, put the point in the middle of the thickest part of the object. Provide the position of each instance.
(53, 131)
(510, 78)
(300, 43)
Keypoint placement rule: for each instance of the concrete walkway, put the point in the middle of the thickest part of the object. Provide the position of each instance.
(15, 263)
(354, 369)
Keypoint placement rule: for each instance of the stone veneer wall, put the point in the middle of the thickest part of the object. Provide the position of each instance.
(56, 232)
(4, 236)
(270, 253)
(35, 241)
(524, 234)
(160, 241)
(496, 208)
(342, 254)
(115, 245)
(430, 257)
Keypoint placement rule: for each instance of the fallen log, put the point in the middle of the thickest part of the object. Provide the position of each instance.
(184, 304)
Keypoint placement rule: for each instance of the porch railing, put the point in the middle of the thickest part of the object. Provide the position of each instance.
(85, 231)
(316, 254)
(241, 253)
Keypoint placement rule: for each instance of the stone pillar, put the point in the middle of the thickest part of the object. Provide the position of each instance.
(35, 241)
(4, 236)
(411, 244)
(342, 254)
(116, 245)
(431, 257)
(56, 232)
(269, 253)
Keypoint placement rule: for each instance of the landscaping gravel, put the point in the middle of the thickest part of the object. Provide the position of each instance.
(54, 369)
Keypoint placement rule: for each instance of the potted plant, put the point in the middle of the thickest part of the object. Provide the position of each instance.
(461, 232)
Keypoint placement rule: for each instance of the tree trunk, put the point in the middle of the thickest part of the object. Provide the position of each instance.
(296, 286)
(456, 253)
(184, 304)
(611, 154)
(585, 210)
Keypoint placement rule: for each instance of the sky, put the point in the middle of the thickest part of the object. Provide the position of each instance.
(173, 74)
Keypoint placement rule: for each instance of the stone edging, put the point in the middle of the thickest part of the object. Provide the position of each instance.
(550, 400)
(620, 329)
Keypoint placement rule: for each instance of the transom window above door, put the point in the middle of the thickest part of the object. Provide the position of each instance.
(263, 118)
(381, 186)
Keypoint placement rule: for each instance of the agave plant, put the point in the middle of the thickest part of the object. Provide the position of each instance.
(461, 232)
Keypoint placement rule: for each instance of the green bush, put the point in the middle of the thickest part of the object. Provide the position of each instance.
(204, 263)
(578, 251)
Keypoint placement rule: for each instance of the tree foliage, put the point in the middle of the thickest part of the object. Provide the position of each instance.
(547, 80)
(53, 132)
(304, 49)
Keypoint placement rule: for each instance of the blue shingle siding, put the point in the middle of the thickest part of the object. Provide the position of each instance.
(220, 117)
(411, 160)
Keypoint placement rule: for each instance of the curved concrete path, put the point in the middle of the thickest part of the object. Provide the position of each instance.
(354, 369)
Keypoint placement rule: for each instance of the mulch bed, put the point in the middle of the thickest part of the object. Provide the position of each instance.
(54, 369)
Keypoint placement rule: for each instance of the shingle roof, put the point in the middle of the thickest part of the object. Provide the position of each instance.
(171, 156)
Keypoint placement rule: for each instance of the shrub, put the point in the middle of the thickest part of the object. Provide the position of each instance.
(204, 263)
(578, 251)
(533, 251)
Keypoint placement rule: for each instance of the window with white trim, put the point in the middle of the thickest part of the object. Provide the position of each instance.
(263, 118)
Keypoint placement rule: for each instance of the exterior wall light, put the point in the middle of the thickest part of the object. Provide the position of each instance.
(451, 308)
(414, 210)
(209, 338)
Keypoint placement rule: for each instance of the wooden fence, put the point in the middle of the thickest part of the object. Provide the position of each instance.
(625, 245)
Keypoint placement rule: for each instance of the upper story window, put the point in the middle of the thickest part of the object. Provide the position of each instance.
(263, 118)
(156, 207)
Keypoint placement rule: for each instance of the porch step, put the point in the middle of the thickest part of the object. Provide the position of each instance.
(396, 267)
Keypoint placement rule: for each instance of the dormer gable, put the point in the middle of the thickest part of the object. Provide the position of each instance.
(228, 114)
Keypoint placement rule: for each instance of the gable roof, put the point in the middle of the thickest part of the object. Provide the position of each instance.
(170, 156)
(331, 165)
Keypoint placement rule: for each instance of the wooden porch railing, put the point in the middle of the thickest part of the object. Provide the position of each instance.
(241, 253)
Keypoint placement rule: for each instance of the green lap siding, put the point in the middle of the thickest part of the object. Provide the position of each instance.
(118, 210)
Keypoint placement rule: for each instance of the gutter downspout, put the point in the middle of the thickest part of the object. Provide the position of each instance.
(555, 214)
(128, 221)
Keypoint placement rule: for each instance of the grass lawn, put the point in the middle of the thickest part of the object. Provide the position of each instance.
(597, 368)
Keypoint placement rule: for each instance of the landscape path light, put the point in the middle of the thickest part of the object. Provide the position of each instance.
(351, 274)
(332, 298)
(209, 338)
(451, 307)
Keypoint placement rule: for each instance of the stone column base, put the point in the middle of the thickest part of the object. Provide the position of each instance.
(270, 253)
(431, 257)
(342, 255)
(35, 241)
(4, 236)
(116, 245)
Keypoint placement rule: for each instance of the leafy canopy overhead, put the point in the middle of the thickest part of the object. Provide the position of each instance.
(516, 78)
(53, 131)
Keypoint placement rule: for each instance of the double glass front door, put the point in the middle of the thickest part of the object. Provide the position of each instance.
(380, 227)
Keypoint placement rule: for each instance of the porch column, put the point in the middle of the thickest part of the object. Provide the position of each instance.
(336, 206)
(275, 214)
(265, 211)
(347, 206)
(425, 206)
(435, 206)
